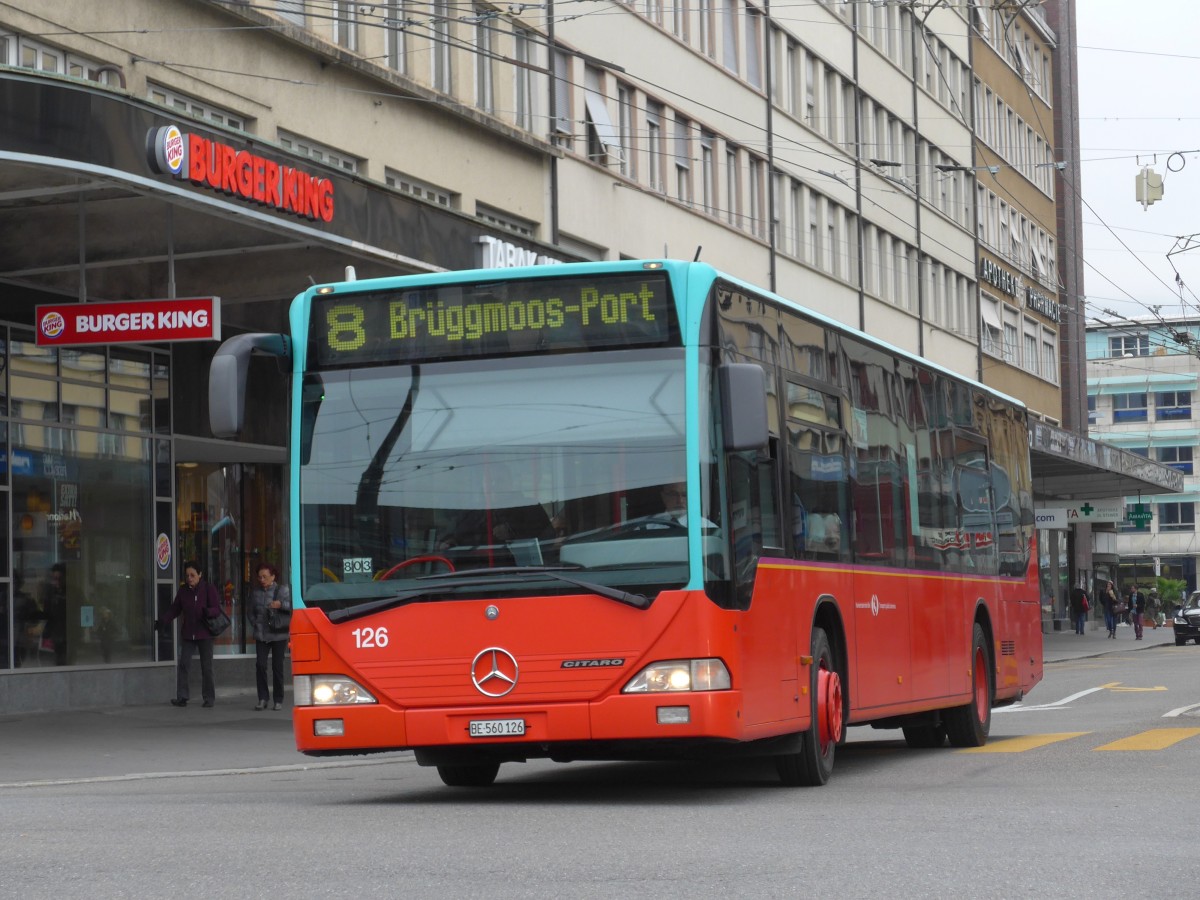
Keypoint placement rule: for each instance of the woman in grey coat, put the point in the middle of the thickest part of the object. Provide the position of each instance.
(270, 601)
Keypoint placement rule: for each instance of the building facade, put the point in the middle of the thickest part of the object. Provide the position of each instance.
(1143, 377)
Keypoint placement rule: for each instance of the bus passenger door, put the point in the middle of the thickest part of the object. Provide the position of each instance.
(882, 610)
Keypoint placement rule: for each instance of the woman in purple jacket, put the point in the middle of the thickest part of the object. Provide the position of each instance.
(196, 601)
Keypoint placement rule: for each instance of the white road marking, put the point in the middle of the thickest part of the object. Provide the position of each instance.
(1175, 713)
(1058, 704)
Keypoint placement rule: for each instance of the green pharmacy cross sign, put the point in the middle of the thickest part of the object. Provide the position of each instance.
(1139, 516)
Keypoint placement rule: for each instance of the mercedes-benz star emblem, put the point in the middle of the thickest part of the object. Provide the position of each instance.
(494, 672)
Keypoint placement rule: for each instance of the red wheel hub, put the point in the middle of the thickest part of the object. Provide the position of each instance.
(829, 706)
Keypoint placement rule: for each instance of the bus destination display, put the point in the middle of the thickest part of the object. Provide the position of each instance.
(494, 318)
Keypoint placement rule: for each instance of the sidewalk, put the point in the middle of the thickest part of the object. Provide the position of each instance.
(124, 743)
(160, 741)
(1062, 646)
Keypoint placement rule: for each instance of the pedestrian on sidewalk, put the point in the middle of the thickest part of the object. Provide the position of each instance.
(271, 615)
(195, 603)
(1108, 600)
(1079, 608)
(1137, 608)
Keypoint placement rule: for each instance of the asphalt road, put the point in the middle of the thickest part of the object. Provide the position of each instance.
(207, 803)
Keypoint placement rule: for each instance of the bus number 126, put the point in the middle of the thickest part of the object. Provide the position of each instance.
(370, 637)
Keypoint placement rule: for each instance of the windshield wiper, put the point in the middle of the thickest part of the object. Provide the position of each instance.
(475, 577)
(404, 597)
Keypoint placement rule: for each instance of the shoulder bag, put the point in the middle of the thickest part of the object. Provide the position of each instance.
(217, 624)
(278, 620)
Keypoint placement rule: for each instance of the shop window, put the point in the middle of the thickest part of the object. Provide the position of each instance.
(82, 547)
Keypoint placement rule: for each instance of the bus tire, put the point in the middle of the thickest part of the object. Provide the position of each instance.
(925, 737)
(469, 776)
(812, 764)
(969, 725)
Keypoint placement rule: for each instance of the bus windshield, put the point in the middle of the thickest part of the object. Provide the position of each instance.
(506, 465)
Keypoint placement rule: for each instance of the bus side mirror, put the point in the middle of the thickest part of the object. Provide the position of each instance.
(743, 389)
(227, 378)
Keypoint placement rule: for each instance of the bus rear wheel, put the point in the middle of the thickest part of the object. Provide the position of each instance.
(969, 726)
(812, 765)
(468, 776)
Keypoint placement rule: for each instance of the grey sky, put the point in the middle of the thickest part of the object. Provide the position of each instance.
(1139, 99)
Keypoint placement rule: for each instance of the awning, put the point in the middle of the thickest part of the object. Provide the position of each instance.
(1148, 382)
(1189, 497)
(1167, 437)
(1069, 466)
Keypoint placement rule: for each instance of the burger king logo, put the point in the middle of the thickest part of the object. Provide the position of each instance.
(53, 324)
(163, 551)
(169, 150)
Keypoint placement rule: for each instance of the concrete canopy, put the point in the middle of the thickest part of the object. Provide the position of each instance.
(1068, 466)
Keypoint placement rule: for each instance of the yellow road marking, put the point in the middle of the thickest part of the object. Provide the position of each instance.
(1137, 690)
(1156, 739)
(1021, 744)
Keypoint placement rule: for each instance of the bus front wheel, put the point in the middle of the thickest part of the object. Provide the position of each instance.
(468, 776)
(812, 765)
(969, 726)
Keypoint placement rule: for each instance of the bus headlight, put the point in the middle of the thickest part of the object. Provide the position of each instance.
(675, 675)
(329, 690)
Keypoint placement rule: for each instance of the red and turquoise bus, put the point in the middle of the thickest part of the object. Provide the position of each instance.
(638, 510)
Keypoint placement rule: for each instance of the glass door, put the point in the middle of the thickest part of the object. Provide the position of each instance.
(230, 517)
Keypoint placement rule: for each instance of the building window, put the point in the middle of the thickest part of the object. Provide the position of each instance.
(753, 46)
(1177, 517)
(1170, 405)
(1049, 355)
(30, 54)
(1092, 409)
(625, 133)
(1011, 333)
(654, 146)
(395, 24)
(683, 161)
(443, 75)
(504, 221)
(291, 10)
(1177, 458)
(729, 28)
(1129, 345)
(485, 62)
(562, 93)
(201, 110)
(704, 12)
(602, 136)
(345, 25)
(525, 50)
(406, 184)
(321, 153)
(707, 172)
(733, 196)
(758, 211)
(1129, 407)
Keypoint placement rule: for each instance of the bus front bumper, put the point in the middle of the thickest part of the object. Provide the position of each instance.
(530, 730)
